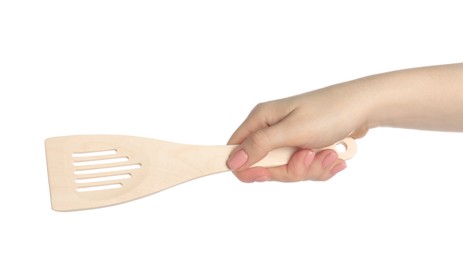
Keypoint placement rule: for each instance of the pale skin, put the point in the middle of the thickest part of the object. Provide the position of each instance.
(428, 98)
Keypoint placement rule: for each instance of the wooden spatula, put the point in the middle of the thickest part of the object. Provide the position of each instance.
(92, 171)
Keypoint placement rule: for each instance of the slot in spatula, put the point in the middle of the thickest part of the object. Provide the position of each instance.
(92, 171)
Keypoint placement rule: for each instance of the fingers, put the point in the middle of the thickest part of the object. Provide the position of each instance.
(303, 165)
(257, 145)
(268, 126)
(284, 123)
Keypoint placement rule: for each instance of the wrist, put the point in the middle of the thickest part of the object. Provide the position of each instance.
(364, 103)
(380, 99)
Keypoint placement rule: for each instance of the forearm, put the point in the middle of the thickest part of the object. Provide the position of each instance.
(429, 98)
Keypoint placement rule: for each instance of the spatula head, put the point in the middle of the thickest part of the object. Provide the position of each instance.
(92, 171)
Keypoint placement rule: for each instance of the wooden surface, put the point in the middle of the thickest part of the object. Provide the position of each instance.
(92, 171)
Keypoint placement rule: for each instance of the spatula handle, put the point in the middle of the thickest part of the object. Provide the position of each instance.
(345, 148)
(207, 160)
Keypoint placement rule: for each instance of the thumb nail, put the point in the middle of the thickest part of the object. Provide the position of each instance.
(237, 160)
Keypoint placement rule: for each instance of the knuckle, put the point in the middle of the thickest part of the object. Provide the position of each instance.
(242, 177)
(260, 141)
(259, 107)
(324, 176)
(296, 176)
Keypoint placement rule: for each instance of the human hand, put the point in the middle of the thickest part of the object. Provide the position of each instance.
(309, 121)
(426, 98)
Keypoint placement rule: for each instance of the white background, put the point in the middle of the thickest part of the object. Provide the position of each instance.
(189, 72)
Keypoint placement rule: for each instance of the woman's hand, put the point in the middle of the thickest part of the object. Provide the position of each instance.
(309, 121)
(428, 98)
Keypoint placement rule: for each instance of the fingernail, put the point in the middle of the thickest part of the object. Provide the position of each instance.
(262, 178)
(238, 160)
(308, 158)
(339, 167)
(329, 159)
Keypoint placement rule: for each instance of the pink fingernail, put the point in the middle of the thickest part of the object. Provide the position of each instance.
(329, 159)
(339, 167)
(308, 158)
(238, 160)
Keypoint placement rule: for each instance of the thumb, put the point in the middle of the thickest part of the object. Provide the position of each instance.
(256, 146)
